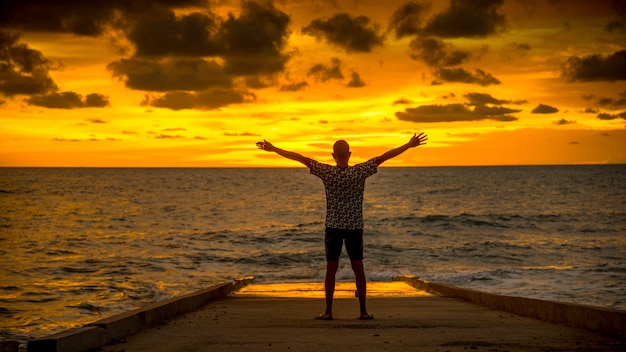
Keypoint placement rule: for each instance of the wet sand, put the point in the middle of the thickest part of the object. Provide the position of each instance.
(279, 317)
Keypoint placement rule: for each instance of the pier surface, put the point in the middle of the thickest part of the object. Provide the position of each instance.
(280, 317)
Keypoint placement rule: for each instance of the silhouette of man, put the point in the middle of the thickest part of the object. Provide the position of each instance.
(344, 187)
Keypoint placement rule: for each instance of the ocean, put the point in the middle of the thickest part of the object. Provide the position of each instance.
(81, 244)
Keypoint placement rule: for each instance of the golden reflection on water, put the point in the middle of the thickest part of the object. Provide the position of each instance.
(342, 290)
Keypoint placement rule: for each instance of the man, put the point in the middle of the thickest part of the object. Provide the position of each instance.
(344, 187)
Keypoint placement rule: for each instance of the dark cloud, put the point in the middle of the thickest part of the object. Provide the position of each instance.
(485, 107)
(455, 113)
(402, 101)
(168, 136)
(436, 53)
(251, 44)
(159, 32)
(596, 67)
(353, 34)
(254, 41)
(324, 73)
(544, 109)
(96, 120)
(171, 74)
(259, 82)
(607, 102)
(562, 122)
(243, 134)
(356, 81)
(198, 56)
(294, 86)
(95, 100)
(67, 100)
(23, 70)
(590, 111)
(174, 50)
(477, 99)
(89, 18)
(606, 116)
(467, 19)
(207, 100)
(407, 20)
(460, 75)
(514, 50)
(619, 24)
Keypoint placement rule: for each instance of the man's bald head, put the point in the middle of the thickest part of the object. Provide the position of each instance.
(341, 152)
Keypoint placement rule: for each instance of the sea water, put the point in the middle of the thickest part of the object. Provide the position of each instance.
(81, 244)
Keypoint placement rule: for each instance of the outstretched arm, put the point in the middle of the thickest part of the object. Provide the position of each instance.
(416, 140)
(265, 145)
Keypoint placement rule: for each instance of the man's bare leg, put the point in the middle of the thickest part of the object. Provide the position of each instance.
(329, 287)
(361, 286)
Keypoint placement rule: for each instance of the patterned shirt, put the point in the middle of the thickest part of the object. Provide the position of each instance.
(344, 192)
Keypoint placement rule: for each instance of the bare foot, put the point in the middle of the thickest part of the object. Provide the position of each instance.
(325, 316)
(366, 316)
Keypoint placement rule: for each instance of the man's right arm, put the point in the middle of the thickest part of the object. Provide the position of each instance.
(265, 145)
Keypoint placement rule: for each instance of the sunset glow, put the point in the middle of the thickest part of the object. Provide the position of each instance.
(196, 83)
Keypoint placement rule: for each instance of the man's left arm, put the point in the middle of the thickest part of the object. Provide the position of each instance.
(416, 140)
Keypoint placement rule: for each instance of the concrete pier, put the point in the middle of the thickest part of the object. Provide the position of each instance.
(409, 314)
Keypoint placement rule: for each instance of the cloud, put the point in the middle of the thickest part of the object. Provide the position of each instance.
(562, 122)
(455, 113)
(24, 70)
(207, 100)
(596, 67)
(170, 74)
(402, 101)
(544, 109)
(514, 50)
(606, 116)
(436, 53)
(68, 100)
(484, 99)
(619, 24)
(406, 21)
(254, 42)
(199, 56)
(243, 134)
(159, 32)
(608, 102)
(90, 18)
(169, 136)
(480, 77)
(356, 81)
(467, 19)
(324, 73)
(95, 100)
(96, 120)
(353, 34)
(485, 107)
(294, 86)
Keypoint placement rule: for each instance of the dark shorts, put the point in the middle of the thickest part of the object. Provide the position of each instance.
(335, 238)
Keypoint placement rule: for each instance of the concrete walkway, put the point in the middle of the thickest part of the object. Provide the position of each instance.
(265, 317)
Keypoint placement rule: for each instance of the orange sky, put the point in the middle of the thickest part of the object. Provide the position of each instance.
(197, 83)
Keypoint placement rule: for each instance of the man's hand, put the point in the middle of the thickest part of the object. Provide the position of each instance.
(265, 145)
(417, 140)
